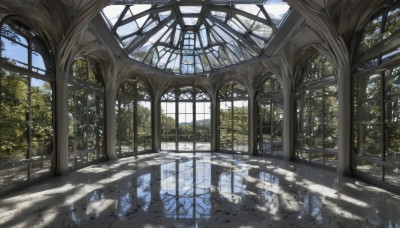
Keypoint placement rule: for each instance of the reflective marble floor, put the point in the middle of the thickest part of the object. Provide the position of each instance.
(200, 190)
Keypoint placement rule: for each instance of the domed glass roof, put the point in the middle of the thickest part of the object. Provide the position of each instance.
(193, 36)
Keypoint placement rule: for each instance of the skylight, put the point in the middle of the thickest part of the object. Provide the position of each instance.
(190, 9)
(184, 39)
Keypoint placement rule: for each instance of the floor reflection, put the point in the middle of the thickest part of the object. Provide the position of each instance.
(203, 190)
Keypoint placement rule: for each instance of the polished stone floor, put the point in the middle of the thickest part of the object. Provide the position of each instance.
(200, 190)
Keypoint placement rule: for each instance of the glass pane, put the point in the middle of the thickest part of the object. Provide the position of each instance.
(392, 79)
(144, 125)
(369, 169)
(392, 22)
(39, 169)
(219, 15)
(126, 131)
(13, 97)
(94, 76)
(276, 10)
(12, 176)
(81, 118)
(392, 142)
(265, 125)
(113, 12)
(14, 141)
(14, 114)
(190, 9)
(372, 33)
(262, 30)
(14, 53)
(225, 123)
(38, 64)
(203, 126)
(168, 127)
(392, 175)
(277, 127)
(171, 34)
(185, 131)
(240, 128)
(370, 140)
(318, 158)
(303, 155)
(79, 69)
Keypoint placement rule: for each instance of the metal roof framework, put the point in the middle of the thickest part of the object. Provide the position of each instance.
(195, 36)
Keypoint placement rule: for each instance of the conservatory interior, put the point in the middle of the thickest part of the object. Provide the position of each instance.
(199, 113)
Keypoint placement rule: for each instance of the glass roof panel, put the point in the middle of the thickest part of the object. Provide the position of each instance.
(112, 13)
(127, 29)
(142, 20)
(261, 29)
(190, 21)
(219, 15)
(251, 9)
(276, 10)
(190, 9)
(164, 14)
(139, 8)
(179, 37)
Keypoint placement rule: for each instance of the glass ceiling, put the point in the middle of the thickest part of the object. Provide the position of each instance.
(196, 36)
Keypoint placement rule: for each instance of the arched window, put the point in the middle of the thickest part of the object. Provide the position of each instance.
(233, 117)
(270, 117)
(186, 119)
(317, 112)
(133, 111)
(376, 75)
(85, 113)
(26, 105)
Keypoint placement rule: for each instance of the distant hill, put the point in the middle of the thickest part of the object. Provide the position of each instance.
(198, 122)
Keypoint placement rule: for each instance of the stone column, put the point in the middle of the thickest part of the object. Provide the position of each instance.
(288, 116)
(252, 127)
(110, 126)
(214, 124)
(156, 114)
(345, 126)
(61, 124)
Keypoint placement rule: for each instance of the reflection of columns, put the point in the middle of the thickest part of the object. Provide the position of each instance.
(252, 128)
(61, 123)
(156, 114)
(214, 125)
(110, 123)
(345, 127)
(288, 128)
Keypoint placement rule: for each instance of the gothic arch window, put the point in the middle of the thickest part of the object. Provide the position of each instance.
(233, 117)
(186, 119)
(85, 113)
(376, 79)
(133, 113)
(26, 105)
(316, 130)
(270, 117)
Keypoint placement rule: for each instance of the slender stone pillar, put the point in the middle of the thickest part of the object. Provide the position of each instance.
(214, 124)
(156, 125)
(252, 127)
(61, 124)
(288, 128)
(110, 120)
(345, 127)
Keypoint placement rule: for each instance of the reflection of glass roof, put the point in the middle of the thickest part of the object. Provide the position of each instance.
(203, 36)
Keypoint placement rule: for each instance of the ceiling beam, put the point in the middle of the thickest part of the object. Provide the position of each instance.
(228, 9)
(144, 13)
(145, 37)
(244, 38)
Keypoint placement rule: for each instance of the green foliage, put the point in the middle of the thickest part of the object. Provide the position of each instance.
(21, 116)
